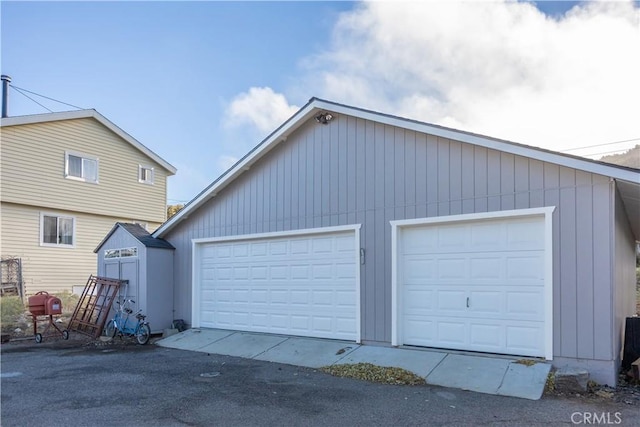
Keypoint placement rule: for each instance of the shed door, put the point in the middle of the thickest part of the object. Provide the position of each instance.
(125, 269)
(296, 285)
(476, 285)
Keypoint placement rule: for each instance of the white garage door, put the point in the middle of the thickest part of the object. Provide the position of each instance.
(304, 285)
(477, 285)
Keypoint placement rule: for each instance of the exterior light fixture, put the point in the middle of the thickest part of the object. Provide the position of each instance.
(324, 118)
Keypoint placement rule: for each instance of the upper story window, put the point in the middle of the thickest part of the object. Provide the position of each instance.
(57, 230)
(145, 174)
(81, 167)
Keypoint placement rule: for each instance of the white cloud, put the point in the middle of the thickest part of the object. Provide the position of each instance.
(503, 69)
(260, 107)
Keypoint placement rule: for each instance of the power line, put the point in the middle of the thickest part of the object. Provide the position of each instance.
(600, 145)
(24, 94)
(42, 96)
(605, 152)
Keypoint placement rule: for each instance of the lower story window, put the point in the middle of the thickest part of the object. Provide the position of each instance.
(57, 230)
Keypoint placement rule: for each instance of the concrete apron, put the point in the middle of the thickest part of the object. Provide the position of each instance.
(483, 374)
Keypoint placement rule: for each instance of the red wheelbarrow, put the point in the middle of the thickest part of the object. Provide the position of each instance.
(43, 304)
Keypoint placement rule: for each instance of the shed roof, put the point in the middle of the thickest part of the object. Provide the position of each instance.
(140, 234)
(84, 114)
(628, 178)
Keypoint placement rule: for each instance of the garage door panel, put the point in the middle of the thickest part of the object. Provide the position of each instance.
(301, 285)
(419, 331)
(451, 331)
(451, 301)
(525, 233)
(527, 339)
(474, 285)
(529, 267)
(488, 236)
(258, 250)
(451, 268)
(299, 246)
(486, 302)
(525, 305)
(418, 269)
(487, 268)
(277, 248)
(486, 336)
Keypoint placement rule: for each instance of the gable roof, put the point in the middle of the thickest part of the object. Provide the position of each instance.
(139, 233)
(85, 114)
(630, 191)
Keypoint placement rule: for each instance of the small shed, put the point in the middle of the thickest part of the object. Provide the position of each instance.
(129, 252)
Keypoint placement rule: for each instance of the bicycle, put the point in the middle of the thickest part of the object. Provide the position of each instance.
(120, 324)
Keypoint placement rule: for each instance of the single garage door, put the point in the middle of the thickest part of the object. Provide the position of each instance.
(298, 284)
(474, 285)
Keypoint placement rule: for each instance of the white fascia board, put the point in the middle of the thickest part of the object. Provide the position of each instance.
(46, 117)
(482, 141)
(316, 105)
(85, 114)
(243, 165)
(276, 234)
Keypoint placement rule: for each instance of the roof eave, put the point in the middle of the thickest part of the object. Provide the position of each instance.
(84, 114)
(244, 164)
(316, 105)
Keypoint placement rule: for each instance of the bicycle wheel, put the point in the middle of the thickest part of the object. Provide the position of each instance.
(110, 329)
(143, 334)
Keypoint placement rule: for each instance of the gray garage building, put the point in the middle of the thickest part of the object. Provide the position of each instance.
(351, 224)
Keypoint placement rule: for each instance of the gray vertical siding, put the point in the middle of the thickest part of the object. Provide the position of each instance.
(359, 171)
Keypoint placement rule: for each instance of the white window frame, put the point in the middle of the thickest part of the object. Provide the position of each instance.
(121, 253)
(83, 157)
(58, 216)
(151, 170)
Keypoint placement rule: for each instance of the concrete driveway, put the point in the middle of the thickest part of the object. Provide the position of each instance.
(63, 383)
(505, 376)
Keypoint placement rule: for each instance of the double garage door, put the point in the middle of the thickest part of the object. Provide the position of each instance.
(477, 284)
(296, 284)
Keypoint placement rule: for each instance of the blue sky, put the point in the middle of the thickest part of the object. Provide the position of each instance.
(192, 80)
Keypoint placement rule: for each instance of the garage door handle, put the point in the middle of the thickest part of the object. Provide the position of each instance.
(467, 302)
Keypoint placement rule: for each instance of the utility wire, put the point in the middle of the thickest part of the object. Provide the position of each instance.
(46, 97)
(600, 145)
(605, 152)
(24, 94)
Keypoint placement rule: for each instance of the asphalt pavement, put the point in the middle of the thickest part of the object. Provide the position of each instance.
(82, 383)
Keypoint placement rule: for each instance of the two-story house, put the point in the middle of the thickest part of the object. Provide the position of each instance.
(66, 178)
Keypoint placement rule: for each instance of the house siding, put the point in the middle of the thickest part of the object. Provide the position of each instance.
(52, 269)
(33, 166)
(355, 171)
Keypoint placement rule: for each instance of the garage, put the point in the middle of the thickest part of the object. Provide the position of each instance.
(303, 283)
(475, 282)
